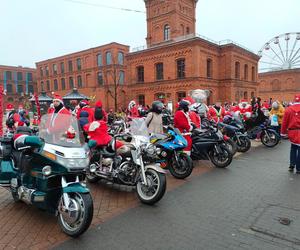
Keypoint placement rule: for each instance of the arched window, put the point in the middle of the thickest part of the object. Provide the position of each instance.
(140, 73)
(63, 84)
(209, 67)
(99, 60)
(167, 32)
(79, 82)
(120, 58)
(237, 70)
(180, 95)
(252, 94)
(100, 78)
(71, 82)
(121, 77)
(141, 100)
(55, 85)
(253, 78)
(108, 58)
(246, 72)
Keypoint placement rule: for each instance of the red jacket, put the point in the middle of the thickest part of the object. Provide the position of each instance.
(195, 118)
(217, 116)
(58, 123)
(98, 131)
(133, 112)
(291, 123)
(183, 123)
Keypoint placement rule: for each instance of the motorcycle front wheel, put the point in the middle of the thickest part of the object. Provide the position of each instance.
(222, 159)
(76, 219)
(243, 144)
(231, 145)
(270, 139)
(154, 190)
(182, 167)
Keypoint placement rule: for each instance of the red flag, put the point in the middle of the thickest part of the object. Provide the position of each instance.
(38, 107)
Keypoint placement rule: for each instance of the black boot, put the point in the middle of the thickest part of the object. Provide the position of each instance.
(291, 168)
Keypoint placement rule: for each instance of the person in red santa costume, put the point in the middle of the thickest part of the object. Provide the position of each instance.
(193, 114)
(100, 106)
(244, 109)
(183, 123)
(216, 112)
(291, 127)
(133, 110)
(85, 110)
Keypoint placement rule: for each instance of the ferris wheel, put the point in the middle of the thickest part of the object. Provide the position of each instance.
(280, 53)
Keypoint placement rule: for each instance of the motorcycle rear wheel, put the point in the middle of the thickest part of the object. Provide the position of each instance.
(182, 168)
(84, 203)
(222, 160)
(155, 191)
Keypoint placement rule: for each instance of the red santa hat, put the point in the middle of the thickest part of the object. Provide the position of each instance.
(9, 107)
(58, 98)
(297, 98)
(85, 102)
(98, 104)
(189, 99)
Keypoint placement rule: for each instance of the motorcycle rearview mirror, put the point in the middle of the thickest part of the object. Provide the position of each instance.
(92, 143)
(33, 141)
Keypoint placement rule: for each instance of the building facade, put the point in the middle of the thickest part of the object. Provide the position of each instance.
(279, 85)
(19, 84)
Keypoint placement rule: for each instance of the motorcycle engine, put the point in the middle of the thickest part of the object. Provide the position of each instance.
(127, 172)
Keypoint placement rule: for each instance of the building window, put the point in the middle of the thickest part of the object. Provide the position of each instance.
(181, 95)
(246, 72)
(121, 77)
(55, 85)
(8, 75)
(30, 89)
(276, 85)
(209, 67)
(19, 76)
(167, 32)
(253, 74)
(79, 81)
(140, 74)
(9, 88)
(42, 86)
(20, 89)
(108, 58)
(62, 67)
(187, 30)
(252, 94)
(48, 85)
(141, 100)
(100, 78)
(159, 71)
(120, 58)
(70, 64)
(63, 83)
(237, 70)
(78, 63)
(99, 60)
(71, 82)
(41, 72)
(47, 70)
(54, 66)
(29, 77)
(181, 68)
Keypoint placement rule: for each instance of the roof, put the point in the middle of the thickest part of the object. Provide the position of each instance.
(43, 97)
(75, 95)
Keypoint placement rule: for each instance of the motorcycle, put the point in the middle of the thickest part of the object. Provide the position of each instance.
(170, 153)
(47, 171)
(208, 144)
(125, 165)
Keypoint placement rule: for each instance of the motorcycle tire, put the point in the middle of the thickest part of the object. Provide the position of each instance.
(244, 145)
(214, 157)
(84, 201)
(183, 168)
(142, 190)
(274, 140)
(231, 144)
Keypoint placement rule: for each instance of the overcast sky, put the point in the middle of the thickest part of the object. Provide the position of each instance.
(35, 30)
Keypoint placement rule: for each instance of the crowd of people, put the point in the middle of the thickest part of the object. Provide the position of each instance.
(94, 121)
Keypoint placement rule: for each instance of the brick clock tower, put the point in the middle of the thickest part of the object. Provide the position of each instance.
(168, 19)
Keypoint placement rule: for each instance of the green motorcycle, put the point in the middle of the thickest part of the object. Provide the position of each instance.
(48, 171)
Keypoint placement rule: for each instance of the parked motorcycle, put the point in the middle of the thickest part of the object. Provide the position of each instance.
(170, 153)
(47, 171)
(125, 165)
(208, 144)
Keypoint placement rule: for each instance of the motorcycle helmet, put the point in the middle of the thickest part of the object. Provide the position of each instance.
(184, 105)
(157, 107)
(275, 105)
(195, 107)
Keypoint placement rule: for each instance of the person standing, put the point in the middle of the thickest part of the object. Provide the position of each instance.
(154, 120)
(291, 128)
(216, 112)
(276, 114)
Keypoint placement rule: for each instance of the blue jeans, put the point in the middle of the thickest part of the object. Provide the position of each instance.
(295, 156)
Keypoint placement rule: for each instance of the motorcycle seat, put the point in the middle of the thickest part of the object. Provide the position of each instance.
(24, 130)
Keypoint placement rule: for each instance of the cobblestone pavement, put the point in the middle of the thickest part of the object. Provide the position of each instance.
(25, 227)
(236, 208)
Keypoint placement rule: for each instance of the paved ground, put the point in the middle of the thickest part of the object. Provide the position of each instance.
(235, 208)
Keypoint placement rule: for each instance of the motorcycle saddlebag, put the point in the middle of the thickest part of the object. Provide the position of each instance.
(5, 147)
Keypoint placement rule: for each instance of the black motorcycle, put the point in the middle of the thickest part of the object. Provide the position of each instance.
(208, 144)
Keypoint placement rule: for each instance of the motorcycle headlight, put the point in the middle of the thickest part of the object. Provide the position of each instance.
(150, 149)
(73, 163)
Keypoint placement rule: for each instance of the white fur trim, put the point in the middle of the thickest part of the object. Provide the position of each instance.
(94, 125)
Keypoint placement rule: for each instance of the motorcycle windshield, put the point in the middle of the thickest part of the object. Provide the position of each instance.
(138, 127)
(61, 129)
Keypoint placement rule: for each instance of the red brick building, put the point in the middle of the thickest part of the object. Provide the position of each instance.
(279, 85)
(174, 62)
(19, 84)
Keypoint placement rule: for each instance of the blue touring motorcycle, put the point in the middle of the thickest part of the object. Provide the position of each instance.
(47, 171)
(169, 151)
